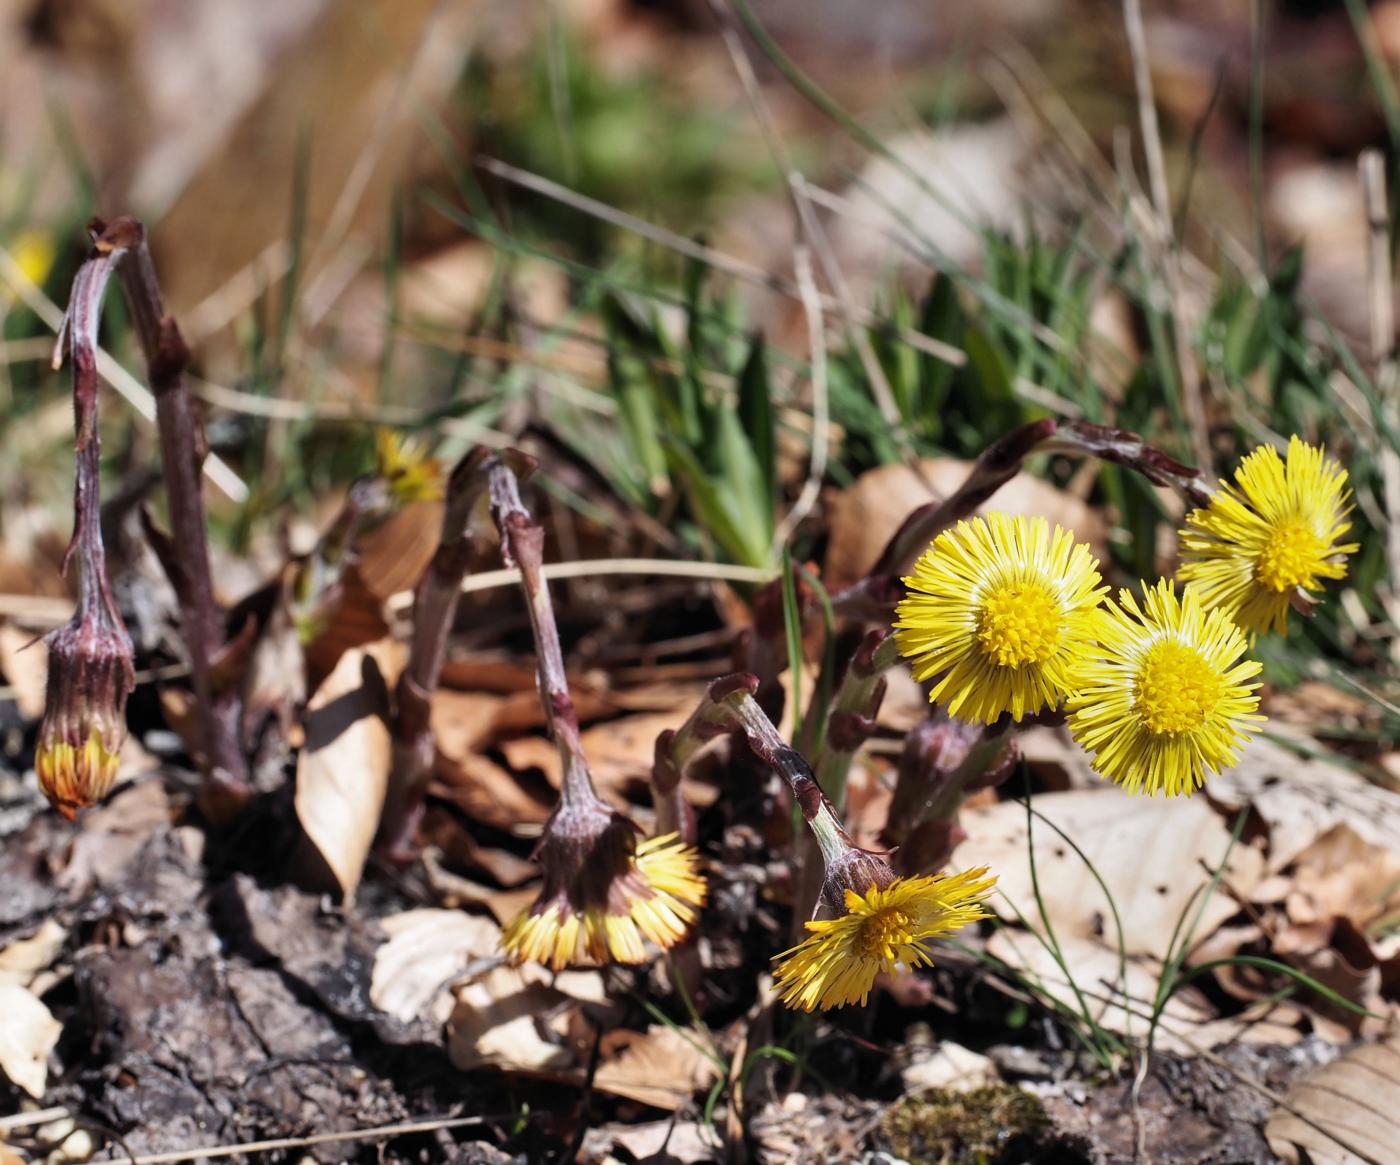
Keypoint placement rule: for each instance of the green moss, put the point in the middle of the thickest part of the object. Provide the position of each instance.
(995, 1125)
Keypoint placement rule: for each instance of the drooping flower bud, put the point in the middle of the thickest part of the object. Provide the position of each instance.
(84, 725)
(90, 659)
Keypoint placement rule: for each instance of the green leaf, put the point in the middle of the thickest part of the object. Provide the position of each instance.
(758, 418)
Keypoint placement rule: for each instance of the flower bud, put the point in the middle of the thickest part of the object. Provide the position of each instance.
(84, 725)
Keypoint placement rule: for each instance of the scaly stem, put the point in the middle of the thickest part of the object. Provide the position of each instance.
(522, 545)
(434, 609)
(183, 449)
(873, 597)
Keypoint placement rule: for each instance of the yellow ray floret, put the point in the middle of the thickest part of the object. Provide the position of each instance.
(1164, 702)
(404, 464)
(1275, 531)
(1001, 608)
(656, 900)
(837, 963)
(76, 776)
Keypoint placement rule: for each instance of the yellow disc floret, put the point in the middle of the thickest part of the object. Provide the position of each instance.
(1177, 688)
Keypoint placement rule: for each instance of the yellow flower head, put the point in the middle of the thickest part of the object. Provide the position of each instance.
(837, 963)
(603, 896)
(1272, 533)
(1002, 609)
(411, 474)
(33, 253)
(1164, 702)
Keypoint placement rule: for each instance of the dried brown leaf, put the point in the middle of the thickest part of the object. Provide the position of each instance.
(1152, 854)
(663, 1066)
(1344, 1113)
(1301, 797)
(488, 793)
(27, 1036)
(392, 557)
(343, 772)
(866, 515)
(426, 950)
(24, 664)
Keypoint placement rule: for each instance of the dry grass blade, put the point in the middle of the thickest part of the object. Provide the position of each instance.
(591, 567)
(401, 1130)
(1187, 369)
(136, 394)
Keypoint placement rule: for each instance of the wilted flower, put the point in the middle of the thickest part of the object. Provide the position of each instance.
(604, 892)
(1001, 609)
(1273, 534)
(1164, 702)
(883, 921)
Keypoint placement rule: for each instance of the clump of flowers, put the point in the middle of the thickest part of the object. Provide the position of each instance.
(1272, 535)
(1167, 700)
(1003, 610)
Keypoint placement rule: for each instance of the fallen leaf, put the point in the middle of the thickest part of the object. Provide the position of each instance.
(866, 515)
(620, 753)
(499, 1019)
(671, 1141)
(487, 673)
(343, 772)
(1055, 760)
(1148, 852)
(392, 557)
(426, 950)
(22, 960)
(27, 1036)
(1302, 797)
(463, 722)
(488, 793)
(663, 1066)
(1122, 1003)
(1342, 875)
(456, 849)
(24, 664)
(1344, 1113)
(355, 618)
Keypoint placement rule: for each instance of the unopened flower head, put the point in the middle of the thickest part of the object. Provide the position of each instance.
(1165, 701)
(604, 892)
(1272, 534)
(84, 725)
(888, 923)
(1001, 609)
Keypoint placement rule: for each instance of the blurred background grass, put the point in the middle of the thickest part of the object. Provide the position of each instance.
(562, 225)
